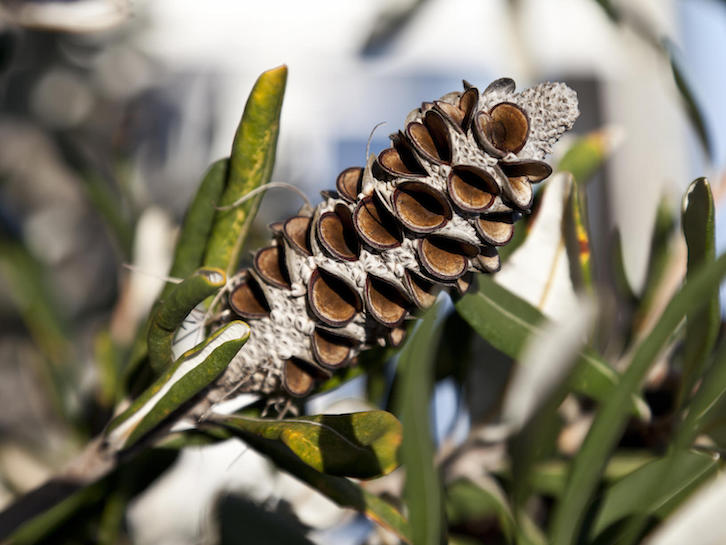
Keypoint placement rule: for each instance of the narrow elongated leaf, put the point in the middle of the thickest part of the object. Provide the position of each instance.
(251, 162)
(695, 115)
(373, 361)
(545, 363)
(634, 493)
(113, 517)
(29, 291)
(470, 502)
(550, 477)
(611, 417)
(362, 445)
(107, 359)
(188, 256)
(189, 375)
(673, 464)
(422, 488)
(106, 204)
(455, 349)
(507, 322)
(339, 489)
(699, 522)
(535, 393)
(197, 224)
(660, 263)
(172, 311)
(702, 325)
(105, 192)
(42, 525)
(706, 408)
(46, 514)
(701, 332)
(619, 274)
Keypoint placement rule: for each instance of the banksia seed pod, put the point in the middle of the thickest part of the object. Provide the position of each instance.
(422, 216)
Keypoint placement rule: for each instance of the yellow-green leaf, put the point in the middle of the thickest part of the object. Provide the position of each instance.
(363, 445)
(251, 162)
(339, 489)
(170, 313)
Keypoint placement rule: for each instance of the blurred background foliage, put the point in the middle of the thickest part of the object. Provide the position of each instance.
(110, 113)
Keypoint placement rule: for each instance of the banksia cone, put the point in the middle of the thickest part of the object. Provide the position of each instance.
(422, 216)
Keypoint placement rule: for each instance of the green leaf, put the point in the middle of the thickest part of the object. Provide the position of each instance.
(705, 411)
(65, 505)
(171, 312)
(699, 522)
(507, 323)
(197, 224)
(28, 288)
(373, 362)
(107, 359)
(455, 349)
(103, 187)
(652, 491)
(702, 325)
(52, 516)
(470, 502)
(251, 162)
(188, 257)
(190, 374)
(693, 111)
(106, 203)
(612, 416)
(339, 489)
(550, 477)
(583, 158)
(111, 523)
(422, 488)
(661, 255)
(620, 276)
(536, 389)
(363, 445)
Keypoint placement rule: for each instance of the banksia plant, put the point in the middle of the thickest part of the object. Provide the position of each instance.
(424, 215)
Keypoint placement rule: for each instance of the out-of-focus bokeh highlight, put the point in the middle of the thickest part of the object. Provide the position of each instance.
(110, 111)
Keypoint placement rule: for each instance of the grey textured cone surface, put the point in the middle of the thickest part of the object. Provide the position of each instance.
(421, 216)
